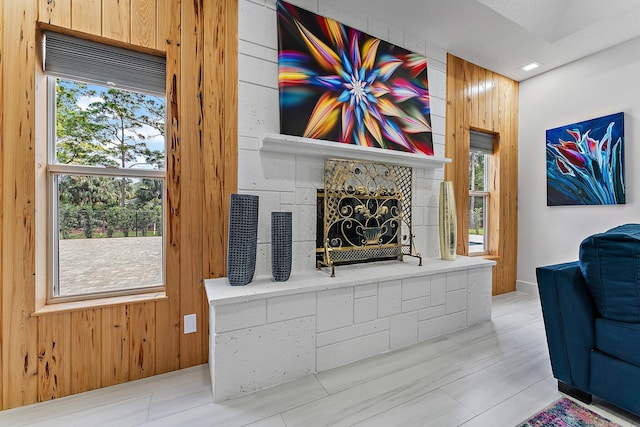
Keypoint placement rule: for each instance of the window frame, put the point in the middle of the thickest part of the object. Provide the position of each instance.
(486, 196)
(54, 169)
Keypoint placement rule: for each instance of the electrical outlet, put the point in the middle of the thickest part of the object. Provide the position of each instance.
(190, 323)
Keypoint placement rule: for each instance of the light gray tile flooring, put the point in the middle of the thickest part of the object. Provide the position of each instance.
(494, 374)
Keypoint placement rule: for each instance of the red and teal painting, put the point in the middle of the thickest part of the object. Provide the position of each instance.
(585, 162)
(339, 84)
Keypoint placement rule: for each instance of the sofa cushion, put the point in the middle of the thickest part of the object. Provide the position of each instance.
(618, 339)
(610, 264)
(615, 381)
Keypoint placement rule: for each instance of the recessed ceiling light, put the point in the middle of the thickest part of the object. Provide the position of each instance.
(531, 66)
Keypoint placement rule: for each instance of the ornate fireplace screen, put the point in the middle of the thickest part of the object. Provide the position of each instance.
(364, 213)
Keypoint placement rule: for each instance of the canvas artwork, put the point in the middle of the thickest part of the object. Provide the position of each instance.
(585, 162)
(339, 84)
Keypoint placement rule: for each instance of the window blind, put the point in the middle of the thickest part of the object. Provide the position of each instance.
(71, 57)
(481, 142)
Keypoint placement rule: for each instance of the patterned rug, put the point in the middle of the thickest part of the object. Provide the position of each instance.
(566, 413)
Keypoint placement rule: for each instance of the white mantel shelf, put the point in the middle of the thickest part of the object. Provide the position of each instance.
(287, 144)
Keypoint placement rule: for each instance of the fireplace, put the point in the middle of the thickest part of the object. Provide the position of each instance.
(363, 213)
(270, 332)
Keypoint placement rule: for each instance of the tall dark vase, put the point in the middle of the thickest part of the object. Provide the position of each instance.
(281, 246)
(243, 239)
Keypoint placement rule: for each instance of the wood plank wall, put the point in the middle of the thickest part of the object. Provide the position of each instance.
(19, 329)
(53, 355)
(482, 100)
(1, 197)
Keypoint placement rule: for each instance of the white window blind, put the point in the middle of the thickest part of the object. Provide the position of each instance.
(92, 62)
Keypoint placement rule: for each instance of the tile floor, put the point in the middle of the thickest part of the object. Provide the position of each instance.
(494, 374)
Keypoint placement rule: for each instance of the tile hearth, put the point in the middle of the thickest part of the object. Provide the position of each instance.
(268, 332)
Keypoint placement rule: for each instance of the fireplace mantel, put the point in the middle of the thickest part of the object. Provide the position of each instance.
(287, 144)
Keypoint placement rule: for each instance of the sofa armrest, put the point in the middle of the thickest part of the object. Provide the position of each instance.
(569, 313)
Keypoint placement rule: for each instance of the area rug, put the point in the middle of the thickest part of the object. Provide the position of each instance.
(566, 413)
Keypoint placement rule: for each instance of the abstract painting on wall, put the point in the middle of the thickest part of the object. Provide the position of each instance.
(585, 162)
(339, 84)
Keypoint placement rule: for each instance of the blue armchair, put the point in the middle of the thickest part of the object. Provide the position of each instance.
(591, 311)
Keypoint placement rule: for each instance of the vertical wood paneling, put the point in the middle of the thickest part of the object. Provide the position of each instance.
(168, 312)
(213, 152)
(142, 331)
(499, 283)
(456, 91)
(114, 337)
(57, 12)
(112, 344)
(230, 123)
(458, 144)
(496, 224)
(20, 332)
(475, 99)
(144, 23)
(191, 231)
(220, 153)
(168, 24)
(116, 20)
(86, 16)
(2, 106)
(86, 350)
(214, 164)
(509, 176)
(483, 100)
(491, 100)
(54, 364)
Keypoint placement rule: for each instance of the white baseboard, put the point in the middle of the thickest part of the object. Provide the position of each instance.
(528, 287)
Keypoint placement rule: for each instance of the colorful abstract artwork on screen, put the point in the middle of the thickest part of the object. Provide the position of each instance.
(585, 162)
(339, 84)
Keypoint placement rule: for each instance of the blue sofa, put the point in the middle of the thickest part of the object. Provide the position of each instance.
(591, 311)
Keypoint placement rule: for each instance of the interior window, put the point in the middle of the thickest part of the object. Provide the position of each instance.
(106, 171)
(480, 152)
(478, 201)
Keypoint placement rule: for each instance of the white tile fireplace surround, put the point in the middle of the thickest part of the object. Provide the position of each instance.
(266, 332)
(286, 172)
(287, 180)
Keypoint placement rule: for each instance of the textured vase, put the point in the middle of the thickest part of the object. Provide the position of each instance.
(447, 221)
(281, 246)
(243, 239)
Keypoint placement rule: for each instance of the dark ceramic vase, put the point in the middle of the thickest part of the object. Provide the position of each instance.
(243, 239)
(281, 246)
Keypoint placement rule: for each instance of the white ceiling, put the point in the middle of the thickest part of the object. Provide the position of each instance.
(503, 35)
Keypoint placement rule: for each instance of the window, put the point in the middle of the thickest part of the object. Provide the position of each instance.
(105, 173)
(480, 151)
